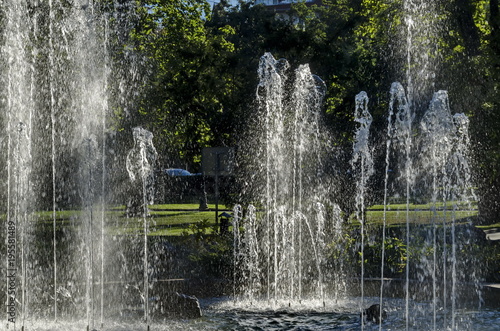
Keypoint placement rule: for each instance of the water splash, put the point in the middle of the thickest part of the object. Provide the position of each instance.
(421, 31)
(437, 130)
(140, 162)
(291, 139)
(400, 134)
(56, 70)
(363, 169)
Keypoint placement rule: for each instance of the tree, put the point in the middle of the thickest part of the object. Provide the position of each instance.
(471, 52)
(201, 68)
(183, 94)
(486, 121)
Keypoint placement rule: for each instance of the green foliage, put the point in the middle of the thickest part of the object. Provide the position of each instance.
(201, 68)
(183, 102)
(203, 65)
(395, 255)
(348, 250)
(485, 100)
(210, 253)
(492, 262)
(200, 230)
(341, 248)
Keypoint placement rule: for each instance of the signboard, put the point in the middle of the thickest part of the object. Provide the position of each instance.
(217, 161)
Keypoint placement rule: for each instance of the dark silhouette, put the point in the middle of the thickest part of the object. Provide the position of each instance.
(372, 314)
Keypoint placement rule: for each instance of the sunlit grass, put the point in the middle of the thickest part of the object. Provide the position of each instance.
(416, 216)
(181, 206)
(163, 220)
(489, 226)
(175, 219)
(438, 205)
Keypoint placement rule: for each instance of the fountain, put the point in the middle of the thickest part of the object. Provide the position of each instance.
(56, 104)
(425, 161)
(300, 257)
(292, 191)
(362, 166)
(140, 162)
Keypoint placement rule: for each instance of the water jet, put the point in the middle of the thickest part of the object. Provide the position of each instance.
(299, 259)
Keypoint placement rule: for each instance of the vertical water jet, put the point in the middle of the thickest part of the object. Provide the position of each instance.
(293, 192)
(362, 166)
(140, 163)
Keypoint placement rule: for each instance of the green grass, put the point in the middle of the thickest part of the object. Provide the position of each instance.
(164, 220)
(174, 219)
(489, 226)
(415, 216)
(396, 214)
(187, 206)
(427, 206)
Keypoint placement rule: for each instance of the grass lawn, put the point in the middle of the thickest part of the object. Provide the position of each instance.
(427, 206)
(396, 217)
(489, 226)
(164, 220)
(174, 219)
(396, 214)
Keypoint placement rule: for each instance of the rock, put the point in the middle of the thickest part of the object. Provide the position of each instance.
(372, 314)
(189, 306)
(178, 306)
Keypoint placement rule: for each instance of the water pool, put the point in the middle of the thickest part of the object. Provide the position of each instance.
(224, 314)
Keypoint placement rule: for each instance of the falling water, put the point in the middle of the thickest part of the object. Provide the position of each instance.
(237, 218)
(292, 236)
(437, 133)
(56, 73)
(388, 146)
(247, 255)
(19, 219)
(89, 153)
(339, 281)
(292, 142)
(462, 192)
(444, 176)
(270, 93)
(52, 88)
(104, 114)
(421, 31)
(140, 163)
(400, 132)
(420, 47)
(362, 166)
(18, 118)
(320, 247)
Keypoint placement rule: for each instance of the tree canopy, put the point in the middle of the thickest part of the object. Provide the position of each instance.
(200, 65)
